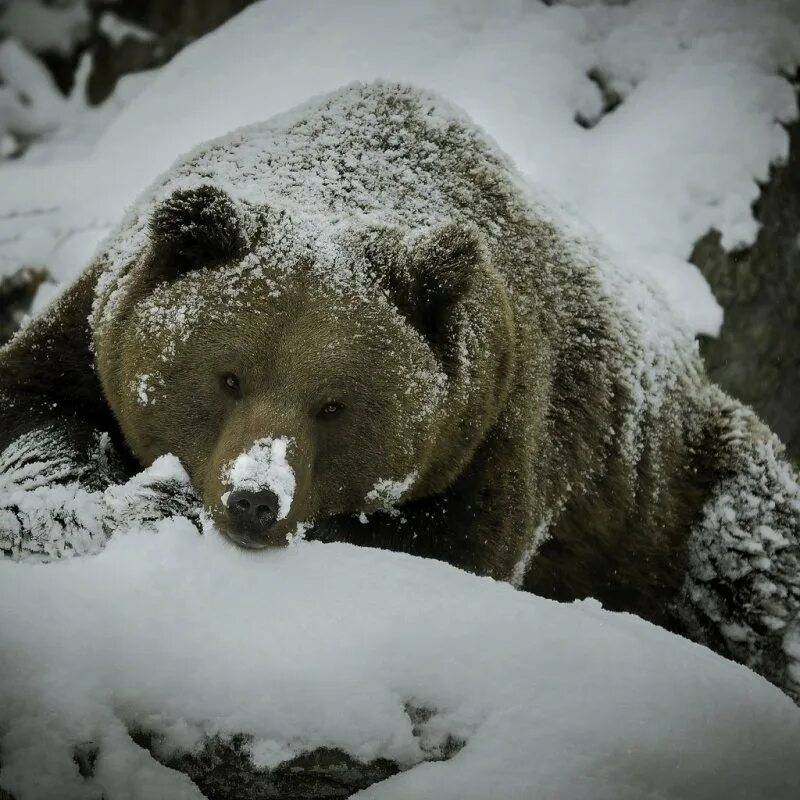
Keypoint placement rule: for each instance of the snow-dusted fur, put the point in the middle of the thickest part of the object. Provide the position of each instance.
(50, 507)
(742, 591)
(554, 416)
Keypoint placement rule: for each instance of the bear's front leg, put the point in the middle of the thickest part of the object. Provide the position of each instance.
(742, 591)
(52, 478)
(64, 490)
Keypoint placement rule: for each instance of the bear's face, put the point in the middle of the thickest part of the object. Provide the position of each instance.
(291, 396)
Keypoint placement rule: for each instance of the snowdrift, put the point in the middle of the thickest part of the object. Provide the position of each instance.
(379, 654)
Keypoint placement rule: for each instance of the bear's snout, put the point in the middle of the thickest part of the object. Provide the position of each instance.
(253, 515)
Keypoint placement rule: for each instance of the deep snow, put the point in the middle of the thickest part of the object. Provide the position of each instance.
(326, 644)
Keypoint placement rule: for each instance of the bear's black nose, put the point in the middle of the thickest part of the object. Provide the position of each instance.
(253, 513)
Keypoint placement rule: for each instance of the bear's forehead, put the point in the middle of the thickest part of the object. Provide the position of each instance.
(297, 337)
(251, 303)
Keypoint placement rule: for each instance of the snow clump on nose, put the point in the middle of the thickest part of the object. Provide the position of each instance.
(264, 466)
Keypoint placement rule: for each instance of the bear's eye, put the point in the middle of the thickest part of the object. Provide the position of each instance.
(230, 383)
(329, 410)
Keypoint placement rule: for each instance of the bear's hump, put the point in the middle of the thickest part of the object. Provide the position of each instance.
(388, 151)
(380, 149)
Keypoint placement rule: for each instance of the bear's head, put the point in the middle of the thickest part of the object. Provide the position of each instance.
(299, 378)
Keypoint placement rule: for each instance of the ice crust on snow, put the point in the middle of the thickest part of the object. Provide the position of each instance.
(264, 466)
(331, 644)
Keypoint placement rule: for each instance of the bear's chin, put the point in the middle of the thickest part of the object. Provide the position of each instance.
(250, 544)
(274, 538)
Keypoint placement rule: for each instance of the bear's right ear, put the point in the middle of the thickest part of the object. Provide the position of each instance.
(195, 227)
(443, 268)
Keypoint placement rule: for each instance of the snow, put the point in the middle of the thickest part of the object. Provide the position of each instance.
(333, 645)
(46, 26)
(117, 30)
(143, 388)
(387, 493)
(537, 538)
(264, 466)
(30, 103)
(697, 126)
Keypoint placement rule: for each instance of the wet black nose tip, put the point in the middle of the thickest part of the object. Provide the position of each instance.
(253, 512)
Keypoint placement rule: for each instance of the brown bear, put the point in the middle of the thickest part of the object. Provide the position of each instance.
(357, 322)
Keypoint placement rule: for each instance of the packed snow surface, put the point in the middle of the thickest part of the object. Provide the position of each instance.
(697, 127)
(332, 645)
(264, 466)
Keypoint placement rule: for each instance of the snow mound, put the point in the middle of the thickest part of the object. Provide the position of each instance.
(264, 466)
(332, 645)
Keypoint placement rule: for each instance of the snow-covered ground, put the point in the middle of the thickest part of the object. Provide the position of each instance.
(327, 644)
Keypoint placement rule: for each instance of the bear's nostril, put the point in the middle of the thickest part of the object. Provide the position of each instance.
(265, 515)
(240, 506)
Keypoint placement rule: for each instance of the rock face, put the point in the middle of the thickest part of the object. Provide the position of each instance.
(156, 31)
(224, 771)
(16, 294)
(757, 354)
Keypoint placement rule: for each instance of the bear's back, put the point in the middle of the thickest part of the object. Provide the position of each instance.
(388, 152)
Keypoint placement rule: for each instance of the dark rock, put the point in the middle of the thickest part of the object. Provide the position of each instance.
(757, 354)
(223, 770)
(16, 294)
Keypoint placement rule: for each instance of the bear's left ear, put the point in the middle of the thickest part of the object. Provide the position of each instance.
(195, 227)
(444, 266)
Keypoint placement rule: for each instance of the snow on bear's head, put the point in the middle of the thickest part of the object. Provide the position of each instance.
(299, 366)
